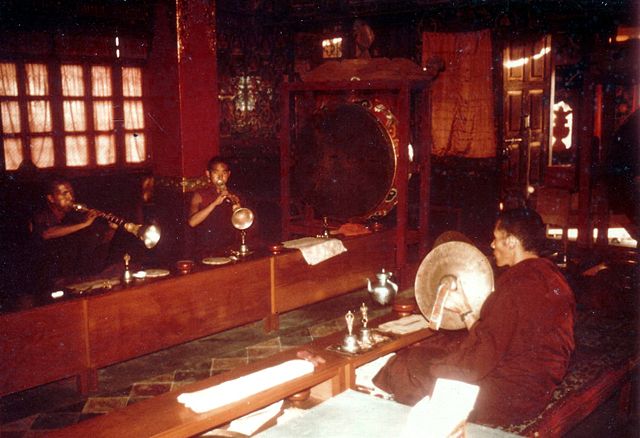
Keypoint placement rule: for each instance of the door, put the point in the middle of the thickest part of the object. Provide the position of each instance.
(527, 88)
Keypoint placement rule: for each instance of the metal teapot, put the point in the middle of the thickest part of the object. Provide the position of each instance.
(384, 290)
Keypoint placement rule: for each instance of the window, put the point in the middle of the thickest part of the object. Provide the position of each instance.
(332, 48)
(71, 115)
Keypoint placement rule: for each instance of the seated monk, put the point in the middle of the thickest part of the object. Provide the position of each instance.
(67, 244)
(210, 213)
(517, 351)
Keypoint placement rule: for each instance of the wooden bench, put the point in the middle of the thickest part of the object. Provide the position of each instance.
(164, 416)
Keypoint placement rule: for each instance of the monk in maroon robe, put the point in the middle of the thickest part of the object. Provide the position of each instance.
(517, 351)
(210, 212)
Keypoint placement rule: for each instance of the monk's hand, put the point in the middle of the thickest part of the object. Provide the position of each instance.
(456, 299)
(219, 200)
(90, 217)
(234, 199)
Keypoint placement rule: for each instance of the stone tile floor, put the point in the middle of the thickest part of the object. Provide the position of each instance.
(34, 412)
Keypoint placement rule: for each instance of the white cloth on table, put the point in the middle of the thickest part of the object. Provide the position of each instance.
(245, 386)
(316, 249)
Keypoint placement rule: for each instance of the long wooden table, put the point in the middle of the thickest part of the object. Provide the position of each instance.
(296, 284)
(164, 416)
(78, 334)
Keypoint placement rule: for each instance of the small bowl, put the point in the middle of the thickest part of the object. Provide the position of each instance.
(184, 266)
(404, 307)
(276, 249)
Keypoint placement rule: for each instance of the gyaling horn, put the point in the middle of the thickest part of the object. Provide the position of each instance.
(149, 234)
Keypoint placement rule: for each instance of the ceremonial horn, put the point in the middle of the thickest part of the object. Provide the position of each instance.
(149, 234)
(445, 263)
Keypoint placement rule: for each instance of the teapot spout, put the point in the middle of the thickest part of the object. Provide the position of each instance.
(369, 285)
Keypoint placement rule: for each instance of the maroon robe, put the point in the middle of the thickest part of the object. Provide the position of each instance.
(517, 352)
(216, 235)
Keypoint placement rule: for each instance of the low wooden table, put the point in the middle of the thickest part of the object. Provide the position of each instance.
(164, 416)
(80, 333)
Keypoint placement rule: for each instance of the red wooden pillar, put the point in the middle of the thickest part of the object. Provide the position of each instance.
(585, 142)
(181, 110)
(183, 84)
(285, 168)
(402, 208)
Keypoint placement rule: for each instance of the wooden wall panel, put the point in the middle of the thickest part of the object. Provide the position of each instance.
(297, 284)
(42, 345)
(140, 320)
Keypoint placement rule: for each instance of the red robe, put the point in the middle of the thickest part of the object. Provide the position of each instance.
(517, 352)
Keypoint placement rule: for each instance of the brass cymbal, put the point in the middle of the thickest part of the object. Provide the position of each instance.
(463, 261)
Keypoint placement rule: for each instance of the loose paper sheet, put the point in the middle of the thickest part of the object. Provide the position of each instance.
(440, 415)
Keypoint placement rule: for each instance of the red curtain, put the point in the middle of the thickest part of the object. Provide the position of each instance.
(462, 95)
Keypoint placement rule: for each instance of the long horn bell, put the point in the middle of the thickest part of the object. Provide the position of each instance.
(149, 234)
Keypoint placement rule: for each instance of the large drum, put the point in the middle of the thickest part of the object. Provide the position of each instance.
(345, 159)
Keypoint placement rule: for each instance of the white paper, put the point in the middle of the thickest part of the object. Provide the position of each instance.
(440, 415)
(366, 373)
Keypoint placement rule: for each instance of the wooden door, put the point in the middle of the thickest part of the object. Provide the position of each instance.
(527, 88)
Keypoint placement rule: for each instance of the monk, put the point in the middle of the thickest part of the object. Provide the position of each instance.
(517, 351)
(210, 212)
(67, 244)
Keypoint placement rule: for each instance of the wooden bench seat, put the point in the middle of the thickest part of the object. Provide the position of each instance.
(603, 363)
(164, 416)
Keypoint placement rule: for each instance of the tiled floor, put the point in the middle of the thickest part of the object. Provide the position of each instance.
(32, 413)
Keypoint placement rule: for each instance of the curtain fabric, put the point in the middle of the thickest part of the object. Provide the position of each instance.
(133, 115)
(462, 95)
(39, 115)
(74, 116)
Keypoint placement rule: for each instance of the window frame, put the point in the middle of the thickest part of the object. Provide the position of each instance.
(56, 101)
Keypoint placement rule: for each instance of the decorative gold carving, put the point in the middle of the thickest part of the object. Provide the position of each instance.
(181, 183)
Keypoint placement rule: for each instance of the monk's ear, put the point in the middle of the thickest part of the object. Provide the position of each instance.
(511, 242)
(50, 198)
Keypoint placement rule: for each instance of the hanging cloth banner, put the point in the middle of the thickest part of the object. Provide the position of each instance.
(462, 96)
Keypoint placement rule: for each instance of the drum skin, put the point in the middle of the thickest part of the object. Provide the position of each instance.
(345, 162)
